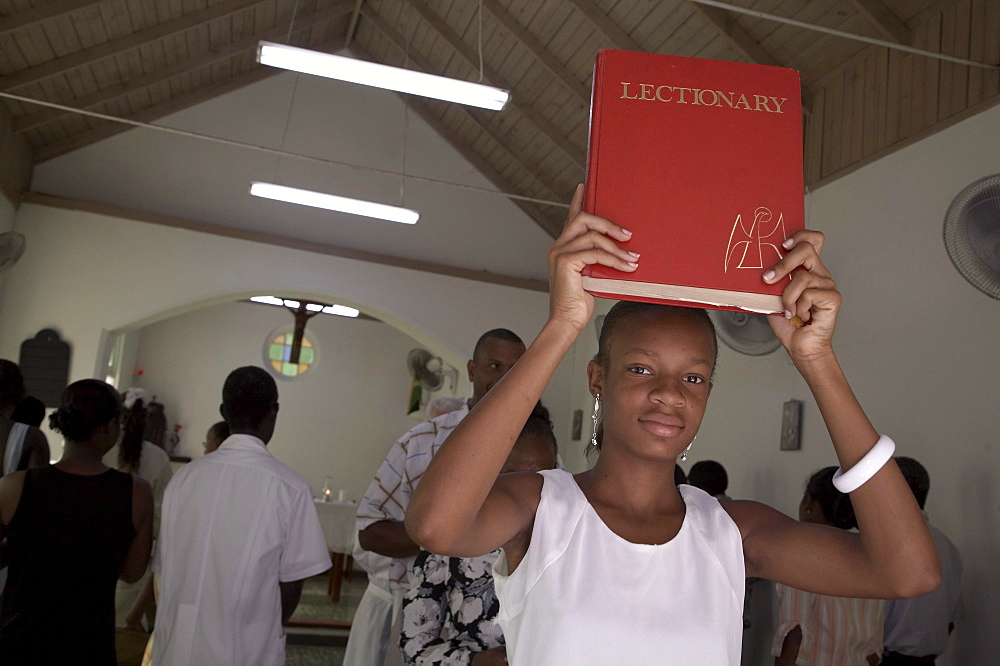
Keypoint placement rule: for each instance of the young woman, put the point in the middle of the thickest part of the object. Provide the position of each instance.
(134, 455)
(72, 530)
(616, 565)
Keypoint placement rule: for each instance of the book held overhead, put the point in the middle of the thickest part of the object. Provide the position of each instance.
(702, 161)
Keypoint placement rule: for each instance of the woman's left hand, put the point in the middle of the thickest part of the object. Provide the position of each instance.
(811, 295)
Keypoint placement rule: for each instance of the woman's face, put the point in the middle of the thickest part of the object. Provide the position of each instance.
(656, 382)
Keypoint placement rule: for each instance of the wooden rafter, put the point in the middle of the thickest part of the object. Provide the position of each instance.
(150, 114)
(736, 35)
(304, 23)
(611, 30)
(428, 115)
(743, 42)
(546, 128)
(115, 46)
(538, 50)
(883, 18)
(34, 15)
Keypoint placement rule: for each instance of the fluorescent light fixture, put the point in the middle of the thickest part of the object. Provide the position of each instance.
(341, 311)
(381, 76)
(267, 300)
(338, 310)
(333, 202)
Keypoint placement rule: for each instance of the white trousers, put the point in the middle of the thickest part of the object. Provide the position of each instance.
(374, 637)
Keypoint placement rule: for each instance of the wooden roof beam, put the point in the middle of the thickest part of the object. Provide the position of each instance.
(304, 22)
(49, 10)
(743, 42)
(885, 20)
(427, 114)
(576, 153)
(538, 50)
(115, 46)
(618, 37)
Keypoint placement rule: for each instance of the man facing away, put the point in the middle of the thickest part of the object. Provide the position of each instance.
(386, 551)
(238, 536)
(917, 630)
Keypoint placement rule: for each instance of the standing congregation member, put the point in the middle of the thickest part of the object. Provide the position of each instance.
(239, 535)
(917, 630)
(617, 564)
(71, 529)
(386, 551)
(450, 611)
(821, 629)
(21, 446)
(134, 455)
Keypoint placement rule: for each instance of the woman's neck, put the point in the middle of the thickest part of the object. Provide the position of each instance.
(634, 485)
(82, 458)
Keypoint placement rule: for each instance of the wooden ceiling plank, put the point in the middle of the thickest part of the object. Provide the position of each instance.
(479, 116)
(885, 21)
(737, 36)
(977, 49)
(538, 50)
(576, 153)
(118, 89)
(41, 13)
(960, 47)
(100, 51)
(108, 129)
(614, 33)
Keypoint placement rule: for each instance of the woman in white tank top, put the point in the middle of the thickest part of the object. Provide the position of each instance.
(616, 564)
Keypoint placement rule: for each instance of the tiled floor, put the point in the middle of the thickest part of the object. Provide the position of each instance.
(317, 644)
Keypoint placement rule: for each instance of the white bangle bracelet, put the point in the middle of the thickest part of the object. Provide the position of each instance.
(874, 460)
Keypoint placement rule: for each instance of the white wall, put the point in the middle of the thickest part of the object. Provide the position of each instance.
(337, 420)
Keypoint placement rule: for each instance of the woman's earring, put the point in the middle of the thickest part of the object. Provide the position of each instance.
(684, 453)
(597, 408)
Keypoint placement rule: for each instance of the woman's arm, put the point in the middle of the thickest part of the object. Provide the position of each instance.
(893, 556)
(460, 507)
(137, 558)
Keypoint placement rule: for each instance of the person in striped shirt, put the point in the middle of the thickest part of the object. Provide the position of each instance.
(822, 630)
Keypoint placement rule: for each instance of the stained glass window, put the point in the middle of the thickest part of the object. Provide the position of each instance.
(279, 354)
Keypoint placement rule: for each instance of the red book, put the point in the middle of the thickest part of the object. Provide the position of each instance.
(702, 161)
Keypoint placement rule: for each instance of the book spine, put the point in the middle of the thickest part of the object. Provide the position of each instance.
(594, 143)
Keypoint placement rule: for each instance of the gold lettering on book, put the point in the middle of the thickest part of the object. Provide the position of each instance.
(750, 247)
(650, 92)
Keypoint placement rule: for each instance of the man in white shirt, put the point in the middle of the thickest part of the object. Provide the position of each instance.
(917, 630)
(238, 536)
(386, 551)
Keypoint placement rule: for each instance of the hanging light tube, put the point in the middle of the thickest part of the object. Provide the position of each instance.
(381, 76)
(333, 202)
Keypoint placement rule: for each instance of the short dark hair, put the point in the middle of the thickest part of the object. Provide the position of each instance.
(248, 396)
(85, 406)
(836, 506)
(497, 334)
(916, 477)
(710, 476)
(29, 411)
(11, 382)
(540, 424)
(221, 430)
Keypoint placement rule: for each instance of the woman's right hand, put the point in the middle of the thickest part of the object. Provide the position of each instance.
(586, 239)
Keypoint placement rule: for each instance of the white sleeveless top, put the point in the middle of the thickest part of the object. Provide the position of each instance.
(584, 595)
